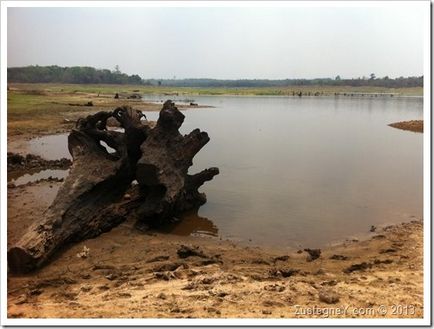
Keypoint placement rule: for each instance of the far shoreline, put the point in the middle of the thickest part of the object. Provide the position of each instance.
(167, 91)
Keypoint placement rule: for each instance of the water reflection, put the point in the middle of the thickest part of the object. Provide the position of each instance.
(51, 147)
(190, 223)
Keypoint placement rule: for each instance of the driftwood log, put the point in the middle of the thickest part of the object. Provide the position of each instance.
(92, 198)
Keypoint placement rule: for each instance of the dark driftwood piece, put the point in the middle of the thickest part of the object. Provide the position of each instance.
(91, 200)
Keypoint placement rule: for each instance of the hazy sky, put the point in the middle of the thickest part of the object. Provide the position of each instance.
(227, 43)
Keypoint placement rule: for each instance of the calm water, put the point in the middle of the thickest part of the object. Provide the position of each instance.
(299, 172)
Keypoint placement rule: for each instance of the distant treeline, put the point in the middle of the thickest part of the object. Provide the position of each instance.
(90, 75)
(75, 74)
(377, 82)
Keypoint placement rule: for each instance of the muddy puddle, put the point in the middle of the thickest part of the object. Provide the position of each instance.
(19, 179)
(51, 147)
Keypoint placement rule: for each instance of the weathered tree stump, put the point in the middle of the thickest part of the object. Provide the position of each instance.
(91, 199)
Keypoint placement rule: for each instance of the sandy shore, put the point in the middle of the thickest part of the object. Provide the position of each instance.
(126, 273)
(412, 125)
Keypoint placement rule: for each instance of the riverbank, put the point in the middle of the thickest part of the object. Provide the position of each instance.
(157, 275)
(128, 273)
